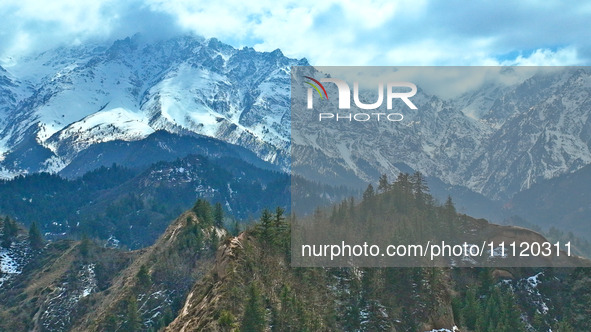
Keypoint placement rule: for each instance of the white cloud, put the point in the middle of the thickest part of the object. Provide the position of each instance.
(63, 19)
(546, 57)
(331, 32)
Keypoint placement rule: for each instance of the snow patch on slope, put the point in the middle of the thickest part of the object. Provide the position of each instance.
(7, 263)
(104, 126)
(184, 96)
(13, 259)
(454, 329)
(7, 174)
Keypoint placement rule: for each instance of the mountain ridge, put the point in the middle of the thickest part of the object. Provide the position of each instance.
(189, 281)
(129, 90)
(495, 141)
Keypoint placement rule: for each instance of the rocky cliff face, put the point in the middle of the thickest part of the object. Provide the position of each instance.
(205, 298)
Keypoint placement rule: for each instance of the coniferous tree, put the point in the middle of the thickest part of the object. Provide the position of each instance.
(144, 280)
(9, 232)
(511, 313)
(280, 228)
(132, 318)
(235, 228)
(369, 193)
(491, 313)
(84, 246)
(449, 217)
(420, 188)
(579, 299)
(278, 222)
(266, 227)
(283, 318)
(383, 184)
(351, 215)
(218, 215)
(35, 238)
(495, 310)
(449, 208)
(352, 315)
(486, 280)
(538, 322)
(471, 310)
(334, 215)
(203, 211)
(254, 312)
(403, 182)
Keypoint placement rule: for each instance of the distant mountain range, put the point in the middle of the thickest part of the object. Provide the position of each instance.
(495, 139)
(135, 132)
(73, 109)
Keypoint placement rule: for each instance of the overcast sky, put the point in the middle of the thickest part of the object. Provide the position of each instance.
(348, 32)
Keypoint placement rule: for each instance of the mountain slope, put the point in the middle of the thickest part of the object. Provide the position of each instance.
(497, 140)
(134, 206)
(157, 147)
(182, 283)
(93, 94)
(134, 203)
(548, 133)
(71, 110)
(80, 286)
(563, 202)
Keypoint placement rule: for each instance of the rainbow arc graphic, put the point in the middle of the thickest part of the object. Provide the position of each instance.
(316, 87)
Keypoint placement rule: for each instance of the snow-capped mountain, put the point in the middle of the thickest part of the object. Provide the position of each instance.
(92, 94)
(11, 92)
(547, 133)
(438, 140)
(496, 140)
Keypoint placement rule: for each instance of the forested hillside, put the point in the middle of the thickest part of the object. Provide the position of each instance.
(200, 277)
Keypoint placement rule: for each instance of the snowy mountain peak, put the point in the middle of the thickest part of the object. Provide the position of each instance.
(496, 140)
(125, 91)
